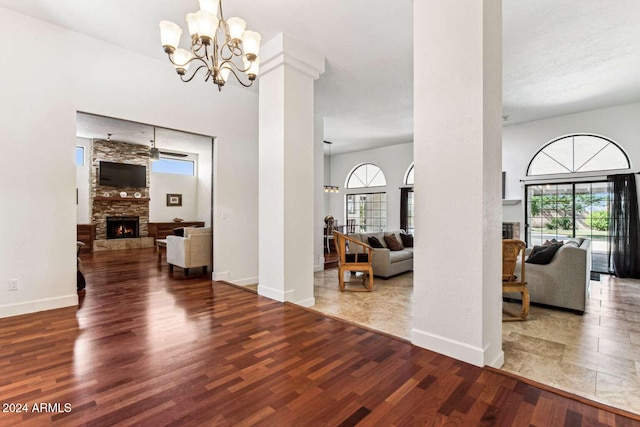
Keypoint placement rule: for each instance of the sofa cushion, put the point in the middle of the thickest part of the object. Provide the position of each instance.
(544, 255)
(374, 242)
(407, 240)
(393, 243)
(395, 256)
(577, 240)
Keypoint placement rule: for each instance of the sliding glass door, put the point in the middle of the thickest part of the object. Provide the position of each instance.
(562, 211)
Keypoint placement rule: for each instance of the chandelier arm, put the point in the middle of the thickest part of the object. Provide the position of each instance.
(233, 50)
(238, 78)
(237, 67)
(195, 58)
(194, 74)
(220, 10)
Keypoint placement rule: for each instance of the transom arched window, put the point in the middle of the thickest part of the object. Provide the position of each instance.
(366, 175)
(408, 177)
(578, 153)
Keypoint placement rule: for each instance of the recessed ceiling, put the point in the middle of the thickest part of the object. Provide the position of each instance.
(559, 57)
(99, 127)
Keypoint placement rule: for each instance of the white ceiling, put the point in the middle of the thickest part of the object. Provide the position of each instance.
(560, 56)
(98, 127)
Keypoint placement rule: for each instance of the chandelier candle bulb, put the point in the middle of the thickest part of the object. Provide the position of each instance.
(207, 26)
(192, 23)
(210, 6)
(252, 67)
(224, 73)
(236, 28)
(251, 44)
(181, 57)
(170, 33)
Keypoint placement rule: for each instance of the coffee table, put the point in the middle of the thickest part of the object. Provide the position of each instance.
(161, 245)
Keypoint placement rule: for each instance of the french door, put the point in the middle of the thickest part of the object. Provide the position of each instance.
(564, 210)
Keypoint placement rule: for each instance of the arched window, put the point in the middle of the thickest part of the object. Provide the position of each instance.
(367, 211)
(366, 175)
(578, 153)
(408, 177)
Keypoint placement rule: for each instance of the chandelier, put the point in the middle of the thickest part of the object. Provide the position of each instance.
(331, 189)
(219, 47)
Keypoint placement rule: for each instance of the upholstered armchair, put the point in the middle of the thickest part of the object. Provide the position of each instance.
(191, 250)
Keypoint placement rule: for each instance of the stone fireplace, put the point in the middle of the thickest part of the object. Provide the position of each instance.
(120, 214)
(123, 227)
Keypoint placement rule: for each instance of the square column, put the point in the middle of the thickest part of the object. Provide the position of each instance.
(286, 161)
(458, 162)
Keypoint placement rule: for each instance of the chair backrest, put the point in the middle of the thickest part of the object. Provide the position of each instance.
(359, 252)
(330, 226)
(340, 244)
(512, 250)
(351, 226)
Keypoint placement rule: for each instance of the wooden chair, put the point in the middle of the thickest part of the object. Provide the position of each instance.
(358, 260)
(328, 233)
(351, 226)
(513, 249)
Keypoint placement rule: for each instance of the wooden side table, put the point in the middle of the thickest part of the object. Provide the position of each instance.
(161, 245)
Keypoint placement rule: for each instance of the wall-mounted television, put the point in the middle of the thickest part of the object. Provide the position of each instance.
(122, 175)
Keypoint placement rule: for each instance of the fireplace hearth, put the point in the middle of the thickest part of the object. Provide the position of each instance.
(123, 227)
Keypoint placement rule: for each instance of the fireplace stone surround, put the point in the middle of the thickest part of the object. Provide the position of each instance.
(106, 201)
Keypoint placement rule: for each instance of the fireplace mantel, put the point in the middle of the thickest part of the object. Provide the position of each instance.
(119, 199)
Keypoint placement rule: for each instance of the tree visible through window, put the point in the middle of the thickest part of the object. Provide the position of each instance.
(578, 153)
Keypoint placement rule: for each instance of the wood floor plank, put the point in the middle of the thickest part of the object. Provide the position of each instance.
(145, 347)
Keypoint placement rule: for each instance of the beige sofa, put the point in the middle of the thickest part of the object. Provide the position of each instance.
(194, 249)
(564, 282)
(387, 263)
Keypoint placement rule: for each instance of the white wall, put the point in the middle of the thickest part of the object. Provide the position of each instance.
(83, 183)
(38, 127)
(522, 141)
(393, 161)
(162, 184)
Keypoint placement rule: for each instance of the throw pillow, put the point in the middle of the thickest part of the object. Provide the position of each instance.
(407, 240)
(178, 231)
(543, 256)
(551, 242)
(375, 243)
(393, 243)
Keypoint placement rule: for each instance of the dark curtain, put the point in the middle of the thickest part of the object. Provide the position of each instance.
(624, 227)
(404, 208)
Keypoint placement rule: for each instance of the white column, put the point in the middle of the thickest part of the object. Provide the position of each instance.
(286, 161)
(318, 189)
(458, 157)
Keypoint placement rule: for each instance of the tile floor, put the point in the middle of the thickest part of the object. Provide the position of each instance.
(596, 355)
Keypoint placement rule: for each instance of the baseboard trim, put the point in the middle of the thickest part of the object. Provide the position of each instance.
(275, 294)
(18, 309)
(448, 347)
(498, 361)
(220, 275)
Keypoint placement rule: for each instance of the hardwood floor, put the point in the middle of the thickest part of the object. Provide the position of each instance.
(148, 348)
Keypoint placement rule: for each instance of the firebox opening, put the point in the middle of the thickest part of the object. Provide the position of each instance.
(123, 227)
